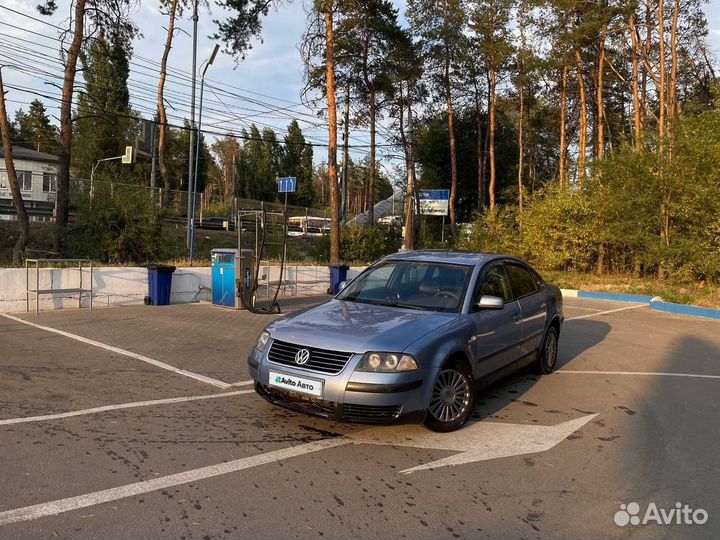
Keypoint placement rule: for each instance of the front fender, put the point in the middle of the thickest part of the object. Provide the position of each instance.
(433, 349)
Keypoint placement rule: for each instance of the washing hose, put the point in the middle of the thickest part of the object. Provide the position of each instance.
(274, 307)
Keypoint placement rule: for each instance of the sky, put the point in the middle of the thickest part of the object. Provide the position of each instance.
(271, 75)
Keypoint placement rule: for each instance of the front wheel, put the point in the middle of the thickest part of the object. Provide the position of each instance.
(452, 400)
(547, 357)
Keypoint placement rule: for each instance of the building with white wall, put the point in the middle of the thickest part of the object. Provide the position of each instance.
(37, 175)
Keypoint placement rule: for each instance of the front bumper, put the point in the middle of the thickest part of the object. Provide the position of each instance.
(350, 396)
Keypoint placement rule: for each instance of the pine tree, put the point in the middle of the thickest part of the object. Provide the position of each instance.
(440, 25)
(102, 126)
(490, 22)
(366, 35)
(34, 130)
(297, 160)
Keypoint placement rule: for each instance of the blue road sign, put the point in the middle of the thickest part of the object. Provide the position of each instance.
(287, 184)
(434, 202)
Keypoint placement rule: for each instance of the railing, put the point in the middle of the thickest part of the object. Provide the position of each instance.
(37, 291)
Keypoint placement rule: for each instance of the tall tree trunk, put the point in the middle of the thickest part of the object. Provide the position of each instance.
(62, 193)
(600, 144)
(563, 129)
(332, 134)
(673, 107)
(491, 136)
(486, 144)
(648, 53)
(162, 139)
(663, 81)
(22, 217)
(478, 118)
(637, 126)
(582, 140)
(453, 154)
(372, 172)
(406, 135)
(521, 152)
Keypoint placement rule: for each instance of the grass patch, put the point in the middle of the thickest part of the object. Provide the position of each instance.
(699, 294)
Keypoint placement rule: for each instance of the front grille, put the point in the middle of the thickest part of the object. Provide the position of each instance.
(371, 414)
(321, 360)
(306, 404)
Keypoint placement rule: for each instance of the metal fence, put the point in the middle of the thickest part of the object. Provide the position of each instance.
(176, 201)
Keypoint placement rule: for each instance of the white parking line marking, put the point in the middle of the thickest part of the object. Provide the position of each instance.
(650, 373)
(121, 492)
(478, 441)
(585, 308)
(119, 406)
(242, 383)
(634, 306)
(117, 350)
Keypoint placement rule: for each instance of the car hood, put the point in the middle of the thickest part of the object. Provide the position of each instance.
(357, 327)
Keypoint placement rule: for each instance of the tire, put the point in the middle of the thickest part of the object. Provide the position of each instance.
(452, 400)
(547, 356)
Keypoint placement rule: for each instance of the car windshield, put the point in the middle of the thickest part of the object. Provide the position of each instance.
(411, 284)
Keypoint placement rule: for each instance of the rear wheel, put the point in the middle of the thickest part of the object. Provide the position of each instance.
(453, 398)
(547, 357)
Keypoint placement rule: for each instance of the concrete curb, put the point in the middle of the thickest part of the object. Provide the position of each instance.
(655, 302)
(682, 309)
(616, 297)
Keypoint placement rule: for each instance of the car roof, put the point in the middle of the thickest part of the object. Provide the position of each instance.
(448, 256)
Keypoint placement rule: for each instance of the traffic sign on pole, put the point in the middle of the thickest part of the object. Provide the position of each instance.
(434, 202)
(287, 184)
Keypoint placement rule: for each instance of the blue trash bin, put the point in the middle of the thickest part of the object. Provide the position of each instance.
(159, 284)
(338, 274)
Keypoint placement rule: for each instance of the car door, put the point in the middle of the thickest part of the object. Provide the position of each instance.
(529, 290)
(498, 333)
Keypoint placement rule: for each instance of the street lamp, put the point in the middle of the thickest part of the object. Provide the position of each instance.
(208, 63)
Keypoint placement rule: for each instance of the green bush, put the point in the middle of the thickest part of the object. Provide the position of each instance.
(560, 230)
(123, 226)
(219, 209)
(359, 244)
(494, 232)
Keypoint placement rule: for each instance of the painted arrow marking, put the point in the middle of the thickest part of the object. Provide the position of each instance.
(480, 441)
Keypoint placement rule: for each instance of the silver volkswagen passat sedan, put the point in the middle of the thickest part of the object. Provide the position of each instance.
(412, 336)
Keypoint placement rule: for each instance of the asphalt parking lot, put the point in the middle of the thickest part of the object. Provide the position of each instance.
(139, 422)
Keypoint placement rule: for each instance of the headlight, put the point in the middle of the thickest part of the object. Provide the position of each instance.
(262, 341)
(380, 362)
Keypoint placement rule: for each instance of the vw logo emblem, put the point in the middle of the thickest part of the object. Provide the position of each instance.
(302, 357)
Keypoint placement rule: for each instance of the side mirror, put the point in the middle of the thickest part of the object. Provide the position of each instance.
(342, 285)
(490, 302)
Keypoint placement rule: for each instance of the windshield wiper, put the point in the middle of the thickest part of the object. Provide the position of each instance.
(401, 305)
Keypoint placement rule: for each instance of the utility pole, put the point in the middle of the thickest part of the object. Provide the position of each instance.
(346, 156)
(209, 62)
(191, 150)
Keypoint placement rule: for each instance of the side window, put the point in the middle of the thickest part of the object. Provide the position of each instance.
(494, 282)
(523, 282)
(539, 283)
(49, 180)
(24, 179)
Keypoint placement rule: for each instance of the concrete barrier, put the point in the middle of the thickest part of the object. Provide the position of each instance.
(117, 286)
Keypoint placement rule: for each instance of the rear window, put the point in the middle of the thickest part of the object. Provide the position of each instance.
(522, 280)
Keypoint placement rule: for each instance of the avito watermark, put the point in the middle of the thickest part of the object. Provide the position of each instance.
(680, 514)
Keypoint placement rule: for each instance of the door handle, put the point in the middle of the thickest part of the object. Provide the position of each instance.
(543, 305)
(516, 317)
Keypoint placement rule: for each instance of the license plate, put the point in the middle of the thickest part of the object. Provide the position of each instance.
(302, 385)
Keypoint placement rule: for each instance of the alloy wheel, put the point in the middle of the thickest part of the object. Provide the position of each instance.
(450, 396)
